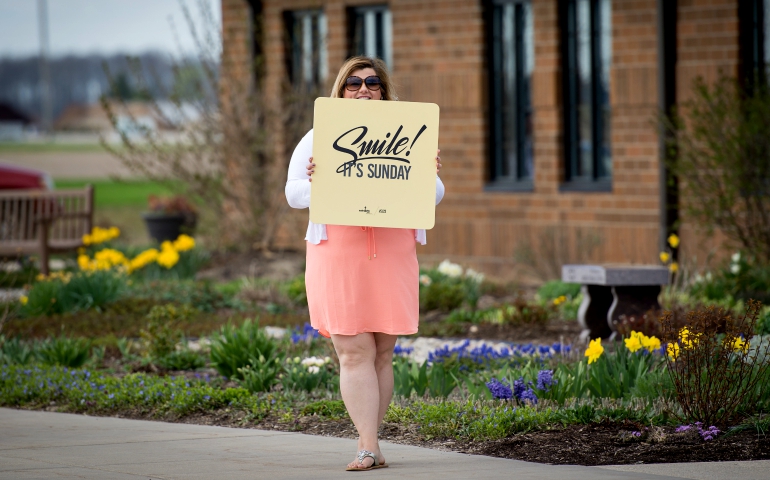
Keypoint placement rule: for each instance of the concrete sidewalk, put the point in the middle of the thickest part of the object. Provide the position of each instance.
(55, 445)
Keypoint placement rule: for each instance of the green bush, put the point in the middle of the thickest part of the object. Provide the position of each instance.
(70, 293)
(67, 352)
(163, 330)
(446, 287)
(184, 359)
(296, 291)
(740, 279)
(14, 351)
(234, 349)
(554, 289)
(260, 374)
(201, 295)
(326, 408)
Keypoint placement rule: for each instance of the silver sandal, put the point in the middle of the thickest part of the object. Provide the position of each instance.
(361, 456)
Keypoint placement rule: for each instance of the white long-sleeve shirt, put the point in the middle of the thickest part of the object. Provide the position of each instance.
(298, 190)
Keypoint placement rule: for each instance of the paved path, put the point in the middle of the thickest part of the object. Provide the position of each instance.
(57, 445)
(80, 165)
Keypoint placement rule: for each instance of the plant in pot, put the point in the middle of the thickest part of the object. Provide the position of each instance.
(168, 217)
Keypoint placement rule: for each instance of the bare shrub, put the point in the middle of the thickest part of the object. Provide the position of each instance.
(716, 375)
(719, 151)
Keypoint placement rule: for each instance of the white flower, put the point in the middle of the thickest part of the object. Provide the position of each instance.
(736, 257)
(313, 369)
(735, 268)
(477, 277)
(708, 276)
(425, 280)
(698, 278)
(450, 269)
(327, 359)
(313, 362)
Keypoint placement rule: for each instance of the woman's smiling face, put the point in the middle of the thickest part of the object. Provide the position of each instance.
(364, 93)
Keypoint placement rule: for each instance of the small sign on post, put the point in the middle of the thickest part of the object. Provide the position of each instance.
(375, 163)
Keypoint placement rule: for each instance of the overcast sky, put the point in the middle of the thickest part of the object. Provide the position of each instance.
(98, 26)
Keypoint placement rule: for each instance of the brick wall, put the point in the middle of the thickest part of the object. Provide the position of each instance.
(439, 56)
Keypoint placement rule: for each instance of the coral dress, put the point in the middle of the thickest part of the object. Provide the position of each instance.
(363, 279)
(359, 279)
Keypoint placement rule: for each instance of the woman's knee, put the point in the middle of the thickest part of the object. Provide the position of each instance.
(354, 351)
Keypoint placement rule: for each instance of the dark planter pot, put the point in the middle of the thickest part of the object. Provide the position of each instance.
(162, 226)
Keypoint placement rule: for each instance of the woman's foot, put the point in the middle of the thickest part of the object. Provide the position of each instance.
(367, 462)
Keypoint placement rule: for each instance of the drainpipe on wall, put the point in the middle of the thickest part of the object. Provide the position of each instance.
(667, 58)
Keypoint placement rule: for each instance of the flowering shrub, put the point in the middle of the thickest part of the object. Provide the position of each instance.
(716, 375)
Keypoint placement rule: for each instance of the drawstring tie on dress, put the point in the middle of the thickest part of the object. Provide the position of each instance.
(371, 243)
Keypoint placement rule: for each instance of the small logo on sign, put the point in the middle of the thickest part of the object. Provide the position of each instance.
(365, 210)
(382, 210)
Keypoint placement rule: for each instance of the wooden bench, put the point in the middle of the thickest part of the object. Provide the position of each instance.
(44, 222)
(611, 291)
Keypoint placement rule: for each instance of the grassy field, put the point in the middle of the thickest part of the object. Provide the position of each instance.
(114, 193)
(120, 204)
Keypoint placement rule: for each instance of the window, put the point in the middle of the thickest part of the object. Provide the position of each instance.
(586, 55)
(512, 59)
(754, 40)
(306, 54)
(371, 33)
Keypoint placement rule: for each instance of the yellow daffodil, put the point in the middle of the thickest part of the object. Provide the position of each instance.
(634, 341)
(23, 299)
(184, 243)
(143, 259)
(168, 256)
(100, 235)
(664, 257)
(594, 350)
(559, 300)
(739, 345)
(651, 343)
(688, 339)
(673, 240)
(674, 267)
(673, 351)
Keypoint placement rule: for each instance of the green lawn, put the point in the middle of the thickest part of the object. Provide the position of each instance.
(113, 193)
(120, 204)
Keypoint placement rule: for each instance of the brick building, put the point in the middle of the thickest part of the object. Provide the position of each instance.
(548, 108)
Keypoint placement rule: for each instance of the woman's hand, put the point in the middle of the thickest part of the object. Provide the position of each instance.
(438, 162)
(311, 169)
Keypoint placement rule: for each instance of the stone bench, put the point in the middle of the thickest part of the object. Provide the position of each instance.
(610, 291)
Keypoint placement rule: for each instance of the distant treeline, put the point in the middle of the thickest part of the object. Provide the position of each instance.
(84, 79)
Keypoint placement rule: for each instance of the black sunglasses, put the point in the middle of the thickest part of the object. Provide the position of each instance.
(354, 83)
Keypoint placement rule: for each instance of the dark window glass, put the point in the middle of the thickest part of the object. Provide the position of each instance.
(511, 62)
(371, 32)
(307, 47)
(754, 40)
(587, 56)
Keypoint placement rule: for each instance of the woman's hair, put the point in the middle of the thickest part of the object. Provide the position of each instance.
(357, 63)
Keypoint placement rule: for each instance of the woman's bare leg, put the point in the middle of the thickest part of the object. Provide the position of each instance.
(360, 388)
(383, 363)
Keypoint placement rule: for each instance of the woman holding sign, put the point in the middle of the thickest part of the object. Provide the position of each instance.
(362, 282)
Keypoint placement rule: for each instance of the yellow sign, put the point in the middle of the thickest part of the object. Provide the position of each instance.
(375, 163)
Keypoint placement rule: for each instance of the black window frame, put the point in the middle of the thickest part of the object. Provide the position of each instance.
(294, 48)
(600, 180)
(752, 35)
(383, 34)
(507, 173)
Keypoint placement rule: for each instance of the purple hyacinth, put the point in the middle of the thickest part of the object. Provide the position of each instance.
(545, 380)
(523, 392)
(500, 390)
